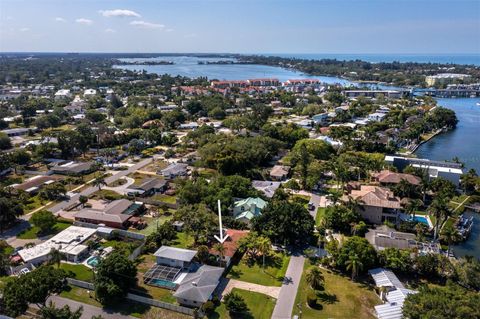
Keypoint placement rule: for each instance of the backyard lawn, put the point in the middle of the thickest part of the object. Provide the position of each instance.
(32, 232)
(152, 224)
(341, 298)
(165, 198)
(260, 306)
(183, 240)
(79, 272)
(125, 307)
(275, 268)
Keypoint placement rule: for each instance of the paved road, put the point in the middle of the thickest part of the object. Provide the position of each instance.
(286, 299)
(90, 190)
(88, 310)
(315, 200)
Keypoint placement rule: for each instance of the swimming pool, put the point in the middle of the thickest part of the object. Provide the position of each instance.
(421, 219)
(162, 283)
(93, 261)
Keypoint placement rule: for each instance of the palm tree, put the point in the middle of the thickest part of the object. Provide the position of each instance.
(55, 256)
(83, 200)
(412, 207)
(438, 208)
(220, 249)
(99, 181)
(264, 246)
(450, 235)
(314, 277)
(354, 264)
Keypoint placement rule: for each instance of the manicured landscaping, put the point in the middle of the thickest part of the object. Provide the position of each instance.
(252, 271)
(32, 232)
(260, 306)
(79, 272)
(106, 194)
(340, 298)
(320, 215)
(152, 224)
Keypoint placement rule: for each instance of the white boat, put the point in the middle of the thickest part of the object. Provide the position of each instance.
(478, 103)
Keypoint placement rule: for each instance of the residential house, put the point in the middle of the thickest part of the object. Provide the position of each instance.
(174, 170)
(377, 204)
(244, 210)
(447, 170)
(116, 214)
(395, 294)
(74, 168)
(63, 95)
(34, 184)
(89, 93)
(279, 172)
(230, 245)
(174, 257)
(268, 188)
(321, 118)
(148, 187)
(388, 178)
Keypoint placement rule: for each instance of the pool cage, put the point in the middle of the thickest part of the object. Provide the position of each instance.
(162, 276)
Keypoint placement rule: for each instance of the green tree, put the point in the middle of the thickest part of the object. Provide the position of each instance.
(19, 157)
(354, 265)
(359, 247)
(99, 181)
(235, 304)
(51, 312)
(44, 220)
(55, 256)
(199, 221)
(10, 209)
(264, 247)
(450, 235)
(83, 200)
(314, 277)
(5, 142)
(220, 249)
(116, 274)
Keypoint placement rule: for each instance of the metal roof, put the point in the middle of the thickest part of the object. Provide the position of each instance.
(175, 253)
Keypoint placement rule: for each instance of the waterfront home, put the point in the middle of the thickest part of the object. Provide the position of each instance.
(391, 94)
(264, 82)
(447, 170)
(394, 296)
(245, 209)
(279, 172)
(376, 204)
(388, 178)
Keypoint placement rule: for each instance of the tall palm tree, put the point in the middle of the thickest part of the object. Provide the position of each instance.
(99, 181)
(264, 246)
(221, 251)
(438, 208)
(412, 207)
(55, 256)
(450, 235)
(354, 264)
(314, 277)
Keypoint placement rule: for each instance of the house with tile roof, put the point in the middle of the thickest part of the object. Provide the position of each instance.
(377, 204)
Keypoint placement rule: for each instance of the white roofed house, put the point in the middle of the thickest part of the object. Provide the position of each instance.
(63, 94)
(88, 93)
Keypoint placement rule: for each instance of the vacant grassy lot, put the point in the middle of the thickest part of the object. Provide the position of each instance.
(165, 198)
(272, 275)
(320, 215)
(33, 232)
(124, 307)
(79, 272)
(260, 306)
(341, 298)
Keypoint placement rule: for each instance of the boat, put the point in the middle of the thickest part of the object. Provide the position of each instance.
(478, 103)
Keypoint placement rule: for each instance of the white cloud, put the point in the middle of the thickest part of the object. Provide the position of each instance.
(24, 29)
(168, 30)
(84, 21)
(119, 13)
(110, 30)
(146, 25)
(59, 19)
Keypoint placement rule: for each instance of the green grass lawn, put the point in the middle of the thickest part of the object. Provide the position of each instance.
(183, 240)
(320, 215)
(152, 224)
(128, 246)
(165, 198)
(32, 232)
(341, 298)
(275, 268)
(107, 194)
(79, 272)
(260, 306)
(124, 307)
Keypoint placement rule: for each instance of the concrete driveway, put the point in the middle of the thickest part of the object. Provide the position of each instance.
(122, 189)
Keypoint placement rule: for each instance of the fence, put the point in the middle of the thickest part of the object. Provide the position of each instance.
(137, 298)
(136, 252)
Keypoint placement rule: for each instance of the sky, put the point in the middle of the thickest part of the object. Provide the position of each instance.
(241, 26)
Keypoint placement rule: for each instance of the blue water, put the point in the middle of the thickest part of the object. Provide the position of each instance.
(375, 58)
(93, 261)
(163, 283)
(462, 142)
(422, 220)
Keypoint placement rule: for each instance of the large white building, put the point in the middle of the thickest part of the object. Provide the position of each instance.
(69, 242)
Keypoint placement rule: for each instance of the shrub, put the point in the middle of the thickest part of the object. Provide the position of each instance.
(208, 307)
(312, 299)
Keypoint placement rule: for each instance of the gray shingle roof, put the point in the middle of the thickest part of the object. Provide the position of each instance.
(175, 253)
(200, 285)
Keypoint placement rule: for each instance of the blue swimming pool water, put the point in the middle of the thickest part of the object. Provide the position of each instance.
(93, 261)
(163, 283)
(421, 219)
